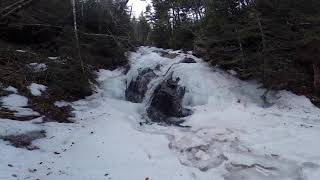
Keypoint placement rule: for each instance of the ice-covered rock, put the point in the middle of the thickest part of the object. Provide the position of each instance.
(138, 87)
(166, 102)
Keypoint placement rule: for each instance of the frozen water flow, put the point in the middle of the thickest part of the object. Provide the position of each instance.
(233, 135)
(231, 120)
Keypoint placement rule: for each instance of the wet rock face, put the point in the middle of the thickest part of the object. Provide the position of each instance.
(137, 89)
(188, 60)
(166, 100)
(166, 103)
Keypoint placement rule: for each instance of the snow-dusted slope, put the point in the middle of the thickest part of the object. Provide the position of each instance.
(234, 135)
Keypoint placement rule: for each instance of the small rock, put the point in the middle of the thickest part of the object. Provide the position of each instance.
(32, 170)
(188, 60)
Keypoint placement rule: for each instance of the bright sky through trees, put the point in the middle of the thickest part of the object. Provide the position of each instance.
(138, 6)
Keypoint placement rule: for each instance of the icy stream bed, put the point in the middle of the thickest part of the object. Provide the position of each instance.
(233, 134)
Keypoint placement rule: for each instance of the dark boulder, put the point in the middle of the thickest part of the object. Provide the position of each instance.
(188, 60)
(137, 88)
(166, 103)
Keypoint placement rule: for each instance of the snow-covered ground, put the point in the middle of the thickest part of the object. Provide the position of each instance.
(234, 134)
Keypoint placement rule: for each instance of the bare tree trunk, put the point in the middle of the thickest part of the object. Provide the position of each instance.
(73, 3)
(82, 7)
(131, 10)
(179, 18)
(197, 15)
(316, 81)
(241, 47)
(263, 41)
(100, 18)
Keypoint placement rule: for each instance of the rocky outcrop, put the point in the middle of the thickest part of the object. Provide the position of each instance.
(137, 88)
(166, 100)
(166, 103)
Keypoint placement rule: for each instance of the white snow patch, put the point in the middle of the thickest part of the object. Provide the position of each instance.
(232, 72)
(17, 103)
(53, 58)
(21, 51)
(61, 103)
(14, 100)
(37, 89)
(38, 67)
(11, 89)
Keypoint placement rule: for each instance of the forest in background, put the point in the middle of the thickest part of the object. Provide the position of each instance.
(275, 41)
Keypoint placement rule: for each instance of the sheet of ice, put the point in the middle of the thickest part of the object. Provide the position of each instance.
(233, 134)
(37, 89)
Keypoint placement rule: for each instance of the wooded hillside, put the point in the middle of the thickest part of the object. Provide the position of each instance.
(72, 42)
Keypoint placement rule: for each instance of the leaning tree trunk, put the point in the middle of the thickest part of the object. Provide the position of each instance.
(316, 81)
